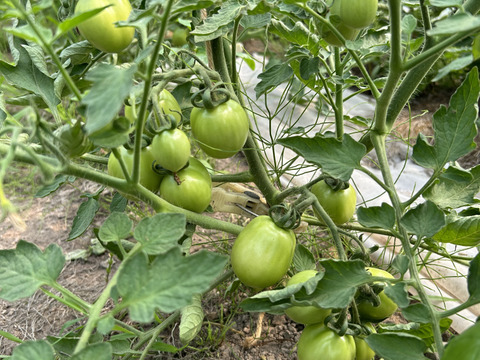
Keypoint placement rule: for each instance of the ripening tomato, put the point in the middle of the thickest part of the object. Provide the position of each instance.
(357, 14)
(171, 149)
(387, 307)
(148, 178)
(319, 342)
(222, 131)
(100, 30)
(339, 205)
(190, 188)
(262, 253)
(305, 314)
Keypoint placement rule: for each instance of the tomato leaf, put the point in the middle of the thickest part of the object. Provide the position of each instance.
(272, 77)
(397, 346)
(296, 33)
(455, 188)
(473, 279)
(168, 283)
(464, 346)
(54, 186)
(303, 259)
(184, 6)
(116, 227)
(333, 288)
(417, 313)
(119, 203)
(33, 350)
(28, 76)
(454, 127)
(98, 351)
(377, 216)
(463, 231)
(111, 84)
(454, 24)
(424, 220)
(85, 215)
(24, 269)
(160, 232)
(336, 158)
(191, 320)
(398, 293)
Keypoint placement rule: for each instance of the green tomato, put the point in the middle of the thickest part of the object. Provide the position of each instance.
(200, 167)
(319, 342)
(189, 189)
(339, 205)
(72, 140)
(222, 131)
(387, 307)
(171, 149)
(179, 37)
(347, 32)
(305, 314)
(357, 14)
(262, 253)
(148, 178)
(364, 352)
(100, 30)
(169, 105)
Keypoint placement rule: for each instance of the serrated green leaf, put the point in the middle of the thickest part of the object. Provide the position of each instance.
(462, 231)
(54, 186)
(397, 346)
(26, 32)
(78, 53)
(226, 15)
(464, 346)
(255, 21)
(455, 188)
(106, 324)
(272, 77)
(457, 64)
(98, 351)
(26, 268)
(30, 350)
(303, 259)
(184, 6)
(111, 85)
(417, 313)
(191, 320)
(27, 76)
(454, 24)
(409, 24)
(168, 283)
(400, 263)
(377, 216)
(296, 33)
(454, 127)
(336, 158)
(398, 293)
(116, 227)
(160, 232)
(85, 215)
(334, 288)
(424, 220)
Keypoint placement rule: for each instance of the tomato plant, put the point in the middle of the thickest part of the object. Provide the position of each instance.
(319, 342)
(100, 30)
(190, 188)
(169, 105)
(179, 36)
(171, 149)
(220, 131)
(355, 14)
(339, 205)
(387, 307)
(305, 314)
(262, 253)
(347, 32)
(363, 351)
(148, 177)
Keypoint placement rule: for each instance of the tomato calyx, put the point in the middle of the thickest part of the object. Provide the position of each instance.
(210, 98)
(336, 184)
(370, 293)
(285, 217)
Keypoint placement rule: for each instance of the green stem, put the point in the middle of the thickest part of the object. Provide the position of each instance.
(457, 309)
(243, 177)
(379, 145)
(68, 295)
(338, 96)
(140, 124)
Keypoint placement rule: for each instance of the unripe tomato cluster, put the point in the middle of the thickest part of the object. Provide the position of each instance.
(353, 15)
(166, 165)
